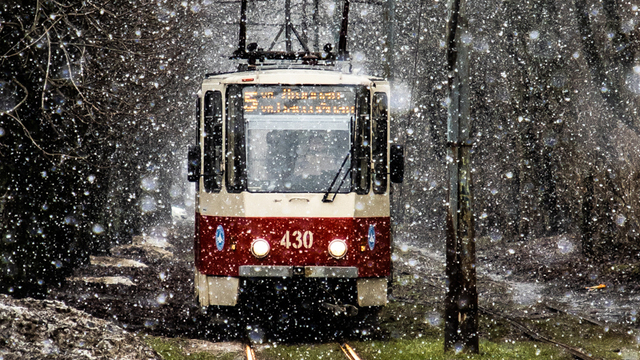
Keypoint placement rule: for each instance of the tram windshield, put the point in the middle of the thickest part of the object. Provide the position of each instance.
(297, 137)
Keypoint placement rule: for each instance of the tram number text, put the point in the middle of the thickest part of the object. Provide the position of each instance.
(299, 238)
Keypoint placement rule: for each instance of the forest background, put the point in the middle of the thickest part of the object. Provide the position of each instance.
(97, 108)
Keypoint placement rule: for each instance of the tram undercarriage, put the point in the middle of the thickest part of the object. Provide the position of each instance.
(336, 282)
(298, 307)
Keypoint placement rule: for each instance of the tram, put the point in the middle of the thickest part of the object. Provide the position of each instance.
(293, 167)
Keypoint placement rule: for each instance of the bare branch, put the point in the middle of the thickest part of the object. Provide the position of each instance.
(100, 47)
(6, 55)
(24, 128)
(46, 77)
(35, 17)
(19, 103)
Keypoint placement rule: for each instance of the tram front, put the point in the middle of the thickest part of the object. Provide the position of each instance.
(293, 184)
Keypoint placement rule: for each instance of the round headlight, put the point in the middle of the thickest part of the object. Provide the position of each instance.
(337, 248)
(260, 248)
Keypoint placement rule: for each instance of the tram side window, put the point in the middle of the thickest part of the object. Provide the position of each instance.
(379, 143)
(197, 172)
(235, 144)
(212, 141)
(361, 144)
(198, 121)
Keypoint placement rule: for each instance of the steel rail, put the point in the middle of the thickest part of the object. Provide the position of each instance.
(248, 350)
(349, 352)
(346, 349)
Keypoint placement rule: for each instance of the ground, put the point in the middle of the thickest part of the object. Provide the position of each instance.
(34, 329)
(527, 290)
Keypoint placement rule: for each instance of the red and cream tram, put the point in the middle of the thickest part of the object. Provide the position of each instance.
(293, 169)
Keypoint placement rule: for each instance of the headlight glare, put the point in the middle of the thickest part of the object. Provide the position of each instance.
(260, 248)
(338, 248)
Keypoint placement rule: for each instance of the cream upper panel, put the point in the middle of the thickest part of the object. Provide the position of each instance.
(381, 86)
(293, 205)
(289, 76)
(372, 205)
(297, 205)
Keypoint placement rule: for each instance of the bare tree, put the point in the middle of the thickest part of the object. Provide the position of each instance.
(86, 114)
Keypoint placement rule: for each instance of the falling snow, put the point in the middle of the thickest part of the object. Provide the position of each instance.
(97, 104)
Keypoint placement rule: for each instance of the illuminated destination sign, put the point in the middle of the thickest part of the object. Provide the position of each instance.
(290, 100)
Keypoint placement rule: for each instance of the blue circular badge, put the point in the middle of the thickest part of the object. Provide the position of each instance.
(220, 237)
(372, 237)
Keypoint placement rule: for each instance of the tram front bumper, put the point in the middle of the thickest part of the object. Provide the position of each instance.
(223, 290)
(289, 271)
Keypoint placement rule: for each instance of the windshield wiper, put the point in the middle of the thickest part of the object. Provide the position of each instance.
(325, 198)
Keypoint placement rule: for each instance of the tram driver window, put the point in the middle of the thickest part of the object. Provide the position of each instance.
(291, 160)
(300, 149)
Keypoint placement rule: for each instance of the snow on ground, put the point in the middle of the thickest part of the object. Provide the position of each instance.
(38, 329)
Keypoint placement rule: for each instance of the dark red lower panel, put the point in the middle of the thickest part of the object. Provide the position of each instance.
(294, 242)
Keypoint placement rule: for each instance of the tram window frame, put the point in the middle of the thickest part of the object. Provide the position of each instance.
(212, 172)
(361, 157)
(198, 111)
(379, 146)
(198, 142)
(235, 165)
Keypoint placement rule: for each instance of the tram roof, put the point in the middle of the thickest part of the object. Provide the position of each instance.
(292, 76)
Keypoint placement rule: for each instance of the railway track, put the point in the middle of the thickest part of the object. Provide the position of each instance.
(346, 349)
(349, 352)
(251, 355)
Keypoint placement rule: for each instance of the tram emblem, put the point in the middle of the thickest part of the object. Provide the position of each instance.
(220, 237)
(372, 237)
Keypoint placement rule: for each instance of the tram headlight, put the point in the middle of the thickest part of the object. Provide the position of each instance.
(260, 248)
(337, 248)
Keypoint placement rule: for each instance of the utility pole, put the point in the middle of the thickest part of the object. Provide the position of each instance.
(287, 29)
(316, 40)
(461, 304)
(242, 39)
(304, 24)
(389, 18)
(342, 41)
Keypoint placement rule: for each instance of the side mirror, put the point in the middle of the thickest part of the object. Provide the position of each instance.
(193, 166)
(397, 163)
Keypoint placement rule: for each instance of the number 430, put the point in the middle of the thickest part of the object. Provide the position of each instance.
(300, 239)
